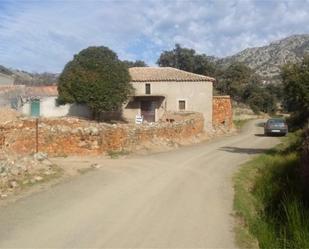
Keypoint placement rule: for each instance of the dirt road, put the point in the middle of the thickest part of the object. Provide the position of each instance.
(178, 199)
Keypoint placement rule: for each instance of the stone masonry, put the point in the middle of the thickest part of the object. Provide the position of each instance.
(71, 136)
(222, 114)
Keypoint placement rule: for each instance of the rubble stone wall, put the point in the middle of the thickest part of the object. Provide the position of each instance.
(70, 136)
(222, 114)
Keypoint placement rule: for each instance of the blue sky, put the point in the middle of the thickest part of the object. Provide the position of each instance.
(44, 35)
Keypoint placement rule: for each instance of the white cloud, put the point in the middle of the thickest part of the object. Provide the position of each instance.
(43, 36)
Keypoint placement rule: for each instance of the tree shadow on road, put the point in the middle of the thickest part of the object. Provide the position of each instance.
(249, 151)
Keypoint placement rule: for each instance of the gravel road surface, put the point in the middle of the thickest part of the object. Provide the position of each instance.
(177, 199)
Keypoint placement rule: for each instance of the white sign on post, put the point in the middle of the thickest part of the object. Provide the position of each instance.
(138, 119)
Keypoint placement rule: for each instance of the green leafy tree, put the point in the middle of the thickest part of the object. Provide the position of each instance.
(137, 63)
(245, 86)
(97, 78)
(295, 78)
(234, 80)
(237, 80)
(186, 59)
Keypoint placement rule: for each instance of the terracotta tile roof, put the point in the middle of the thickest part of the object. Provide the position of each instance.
(146, 74)
(41, 91)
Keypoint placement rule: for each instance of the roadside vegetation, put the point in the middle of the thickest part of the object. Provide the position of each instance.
(239, 123)
(272, 191)
(270, 200)
(116, 154)
(295, 79)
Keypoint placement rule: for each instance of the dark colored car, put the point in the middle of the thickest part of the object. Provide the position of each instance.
(275, 126)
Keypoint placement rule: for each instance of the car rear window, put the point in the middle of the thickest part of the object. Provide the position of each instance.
(276, 121)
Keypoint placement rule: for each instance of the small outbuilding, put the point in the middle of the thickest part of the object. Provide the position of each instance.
(42, 101)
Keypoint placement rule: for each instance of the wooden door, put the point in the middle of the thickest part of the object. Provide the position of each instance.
(148, 110)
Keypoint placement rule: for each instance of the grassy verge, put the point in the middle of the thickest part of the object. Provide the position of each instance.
(239, 123)
(270, 206)
(116, 154)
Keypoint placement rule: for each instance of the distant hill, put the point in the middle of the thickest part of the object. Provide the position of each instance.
(33, 79)
(267, 60)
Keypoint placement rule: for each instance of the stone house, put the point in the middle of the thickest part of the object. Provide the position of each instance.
(158, 90)
(164, 89)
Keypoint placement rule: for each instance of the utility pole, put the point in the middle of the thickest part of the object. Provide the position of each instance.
(36, 135)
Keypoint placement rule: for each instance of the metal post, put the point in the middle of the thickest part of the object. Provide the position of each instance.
(36, 135)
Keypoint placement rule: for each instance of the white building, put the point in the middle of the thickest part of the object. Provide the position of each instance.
(158, 90)
(42, 101)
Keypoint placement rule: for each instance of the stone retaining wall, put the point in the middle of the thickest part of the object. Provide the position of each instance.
(222, 114)
(70, 136)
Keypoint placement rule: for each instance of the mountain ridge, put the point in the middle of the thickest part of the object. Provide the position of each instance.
(265, 60)
(268, 59)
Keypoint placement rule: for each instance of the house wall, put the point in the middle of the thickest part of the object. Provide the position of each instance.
(48, 108)
(198, 97)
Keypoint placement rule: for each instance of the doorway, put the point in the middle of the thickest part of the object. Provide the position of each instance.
(148, 110)
(35, 108)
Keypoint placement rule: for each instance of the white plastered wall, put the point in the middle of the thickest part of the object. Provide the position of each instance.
(49, 108)
(197, 94)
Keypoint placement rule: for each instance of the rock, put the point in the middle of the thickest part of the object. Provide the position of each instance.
(38, 178)
(4, 174)
(13, 184)
(95, 165)
(2, 196)
(14, 171)
(49, 172)
(40, 156)
(94, 145)
(83, 144)
(47, 163)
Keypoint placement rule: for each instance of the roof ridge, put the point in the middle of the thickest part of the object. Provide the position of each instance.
(165, 74)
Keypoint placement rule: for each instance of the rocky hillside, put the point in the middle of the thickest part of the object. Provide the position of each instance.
(25, 78)
(267, 60)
